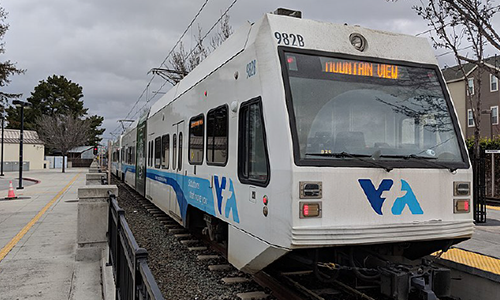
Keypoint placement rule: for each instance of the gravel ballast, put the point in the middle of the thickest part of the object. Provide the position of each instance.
(178, 272)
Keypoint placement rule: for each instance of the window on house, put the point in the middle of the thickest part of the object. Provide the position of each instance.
(470, 86)
(493, 83)
(158, 152)
(165, 151)
(196, 131)
(470, 118)
(217, 136)
(494, 115)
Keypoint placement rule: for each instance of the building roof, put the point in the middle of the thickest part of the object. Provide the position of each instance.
(29, 137)
(452, 74)
(80, 149)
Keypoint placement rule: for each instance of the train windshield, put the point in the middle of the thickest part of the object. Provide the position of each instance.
(353, 110)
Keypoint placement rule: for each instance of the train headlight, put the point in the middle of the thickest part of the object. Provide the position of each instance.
(310, 210)
(461, 205)
(461, 188)
(310, 190)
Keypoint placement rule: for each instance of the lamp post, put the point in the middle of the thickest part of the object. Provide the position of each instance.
(21, 104)
(3, 120)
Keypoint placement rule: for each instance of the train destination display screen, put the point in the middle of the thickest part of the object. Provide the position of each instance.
(360, 68)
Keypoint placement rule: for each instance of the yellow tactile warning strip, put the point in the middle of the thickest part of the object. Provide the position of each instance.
(28, 226)
(471, 259)
(493, 207)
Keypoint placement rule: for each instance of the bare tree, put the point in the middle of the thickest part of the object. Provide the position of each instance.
(459, 25)
(63, 132)
(183, 62)
(225, 30)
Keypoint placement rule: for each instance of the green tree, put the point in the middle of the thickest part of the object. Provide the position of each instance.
(53, 97)
(7, 68)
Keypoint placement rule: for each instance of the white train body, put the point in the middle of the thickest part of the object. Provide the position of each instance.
(116, 157)
(311, 90)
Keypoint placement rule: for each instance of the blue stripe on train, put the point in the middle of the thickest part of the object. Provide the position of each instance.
(196, 191)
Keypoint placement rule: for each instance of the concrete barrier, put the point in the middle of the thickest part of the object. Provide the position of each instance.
(92, 221)
(94, 178)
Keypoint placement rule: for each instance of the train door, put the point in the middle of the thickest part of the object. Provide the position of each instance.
(178, 169)
(140, 174)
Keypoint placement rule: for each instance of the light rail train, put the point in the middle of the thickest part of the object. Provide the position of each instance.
(312, 141)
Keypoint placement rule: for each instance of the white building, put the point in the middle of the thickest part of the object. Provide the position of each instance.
(33, 150)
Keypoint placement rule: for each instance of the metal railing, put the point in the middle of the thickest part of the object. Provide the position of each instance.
(133, 278)
(479, 184)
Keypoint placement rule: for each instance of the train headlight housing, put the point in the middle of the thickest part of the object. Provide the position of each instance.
(461, 188)
(310, 190)
(461, 206)
(310, 210)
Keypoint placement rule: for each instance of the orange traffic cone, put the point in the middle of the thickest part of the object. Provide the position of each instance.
(11, 194)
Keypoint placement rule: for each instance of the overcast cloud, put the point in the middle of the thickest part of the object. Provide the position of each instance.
(108, 46)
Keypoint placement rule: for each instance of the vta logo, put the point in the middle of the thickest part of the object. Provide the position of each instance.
(376, 200)
(225, 194)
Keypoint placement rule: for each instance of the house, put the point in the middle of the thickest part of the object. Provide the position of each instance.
(490, 97)
(33, 150)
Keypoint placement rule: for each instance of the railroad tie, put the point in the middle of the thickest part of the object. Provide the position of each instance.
(235, 280)
(201, 248)
(185, 242)
(182, 235)
(220, 267)
(208, 257)
(258, 295)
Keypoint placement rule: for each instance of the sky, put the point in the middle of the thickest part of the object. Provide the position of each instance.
(109, 46)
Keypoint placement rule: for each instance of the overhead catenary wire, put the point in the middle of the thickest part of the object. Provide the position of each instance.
(163, 62)
(187, 56)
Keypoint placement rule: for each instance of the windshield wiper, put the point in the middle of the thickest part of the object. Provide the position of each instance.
(356, 156)
(425, 159)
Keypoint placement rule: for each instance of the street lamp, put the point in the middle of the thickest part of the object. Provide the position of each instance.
(3, 119)
(21, 104)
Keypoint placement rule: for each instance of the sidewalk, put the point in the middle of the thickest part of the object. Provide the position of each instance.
(38, 240)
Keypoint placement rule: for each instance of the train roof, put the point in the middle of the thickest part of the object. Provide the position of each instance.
(318, 35)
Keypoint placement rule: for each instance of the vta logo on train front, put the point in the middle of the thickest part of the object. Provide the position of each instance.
(225, 194)
(376, 200)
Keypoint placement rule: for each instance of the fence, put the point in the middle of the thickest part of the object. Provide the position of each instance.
(133, 278)
(80, 162)
(479, 185)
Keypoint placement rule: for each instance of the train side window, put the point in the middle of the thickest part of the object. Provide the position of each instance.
(158, 152)
(150, 153)
(165, 151)
(196, 146)
(179, 162)
(217, 136)
(253, 159)
(174, 151)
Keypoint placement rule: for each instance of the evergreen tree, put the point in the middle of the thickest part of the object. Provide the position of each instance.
(53, 97)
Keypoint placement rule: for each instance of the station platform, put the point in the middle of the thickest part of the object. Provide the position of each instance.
(38, 239)
(475, 263)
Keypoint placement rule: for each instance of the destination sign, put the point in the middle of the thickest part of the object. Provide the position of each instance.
(361, 68)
